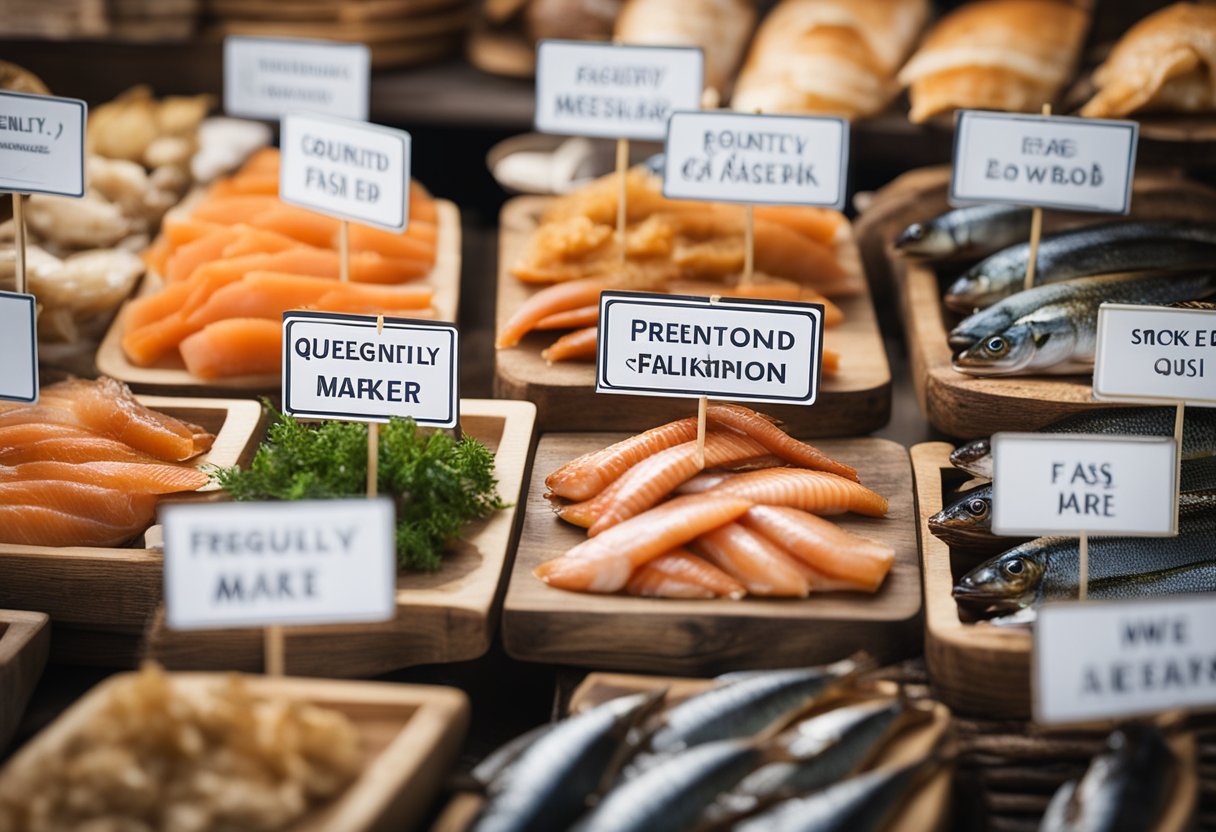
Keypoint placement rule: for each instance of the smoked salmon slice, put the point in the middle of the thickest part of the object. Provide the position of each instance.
(583, 316)
(605, 563)
(549, 301)
(854, 561)
(128, 477)
(681, 574)
(33, 525)
(105, 505)
(578, 345)
(235, 347)
(764, 569)
(591, 473)
(774, 439)
(187, 258)
(814, 491)
(73, 449)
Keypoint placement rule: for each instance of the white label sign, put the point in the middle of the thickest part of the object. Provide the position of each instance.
(1155, 354)
(735, 157)
(42, 144)
(1100, 660)
(741, 349)
(339, 367)
(1078, 164)
(300, 563)
(615, 92)
(270, 77)
(1046, 483)
(347, 169)
(19, 346)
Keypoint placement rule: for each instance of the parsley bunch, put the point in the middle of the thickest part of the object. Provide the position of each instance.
(438, 484)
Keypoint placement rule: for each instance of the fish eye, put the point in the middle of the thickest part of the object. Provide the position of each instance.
(996, 344)
(915, 231)
(1015, 567)
(977, 507)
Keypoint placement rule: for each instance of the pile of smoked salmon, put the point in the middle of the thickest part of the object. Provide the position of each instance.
(241, 258)
(742, 518)
(86, 465)
(671, 246)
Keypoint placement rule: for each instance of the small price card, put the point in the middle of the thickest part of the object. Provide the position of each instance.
(42, 144)
(268, 78)
(1155, 354)
(19, 346)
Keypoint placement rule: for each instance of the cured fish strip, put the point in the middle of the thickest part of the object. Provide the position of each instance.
(830, 363)
(235, 347)
(15, 435)
(814, 491)
(856, 561)
(128, 477)
(73, 449)
(105, 505)
(681, 574)
(774, 439)
(546, 302)
(605, 563)
(578, 345)
(33, 525)
(819, 224)
(652, 479)
(184, 260)
(591, 473)
(259, 241)
(753, 561)
(578, 318)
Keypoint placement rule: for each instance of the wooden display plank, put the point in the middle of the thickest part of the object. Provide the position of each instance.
(966, 406)
(617, 632)
(25, 641)
(856, 402)
(170, 374)
(410, 736)
(101, 600)
(445, 616)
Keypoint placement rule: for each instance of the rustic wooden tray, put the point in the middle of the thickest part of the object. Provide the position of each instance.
(410, 734)
(618, 632)
(446, 616)
(170, 373)
(25, 641)
(102, 600)
(962, 405)
(855, 402)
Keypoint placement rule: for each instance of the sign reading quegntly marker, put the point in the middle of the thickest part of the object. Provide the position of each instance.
(347, 169)
(42, 144)
(19, 347)
(270, 77)
(738, 349)
(1105, 660)
(260, 564)
(1078, 164)
(735, 157)
(344, 367)
(1070, 483)
(1155, 354)
(614, 92)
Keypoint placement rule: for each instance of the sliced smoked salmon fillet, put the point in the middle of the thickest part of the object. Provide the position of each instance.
(73, 449)
(815, 491)
(417, 243)
(185, 259)
(31, 525)
(19, 434)
(857, 562)
(264, 160)
(775, 440)
(580, 345)
(259, 241)
(591, 473)
(106, 505)
(818, 224)
(235, 347)
(231, 210)
(681, 574)
(763, 568)
(182, 230)
(547, 302)
(247, 184)
(129, 477)
(578, 318)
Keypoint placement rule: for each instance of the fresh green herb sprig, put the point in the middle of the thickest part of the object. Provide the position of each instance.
(438, 484)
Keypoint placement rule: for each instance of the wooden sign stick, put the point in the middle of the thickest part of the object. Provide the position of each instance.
(749, 241)
(702, 406)
(373, 440)
(19, 241)
(1083, 582)
(273, 650)
(622, 174)
(1179, 417)
(1036, 232)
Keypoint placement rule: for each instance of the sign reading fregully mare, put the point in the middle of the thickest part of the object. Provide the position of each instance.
(734, 349)
(42, 144)
(1078, 164)
(268, 78)
(19, 347)
(1155, 354)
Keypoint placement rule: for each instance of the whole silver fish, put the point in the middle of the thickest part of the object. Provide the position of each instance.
(1108, 248)
(673, 794)
(1198, 432)
(497, 761)
(1125, 788)
(1082, 298)
(864, 803)
(548, 785)
(1047, 568)
(969, 232)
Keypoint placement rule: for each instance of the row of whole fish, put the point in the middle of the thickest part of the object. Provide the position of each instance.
(1051, 328)
(740, 755)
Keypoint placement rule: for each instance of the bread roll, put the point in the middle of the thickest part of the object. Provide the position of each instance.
(720, 27)
(1165, 63)
(995, 55)
(829, 57)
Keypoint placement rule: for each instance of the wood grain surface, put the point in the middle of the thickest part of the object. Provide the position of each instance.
(855, 402)
(617, 632)
(444, 616)
(25, 641)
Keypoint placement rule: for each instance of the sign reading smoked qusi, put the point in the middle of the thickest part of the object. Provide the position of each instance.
(1046, 483)
(735, 157)
(347, 169)
(611, 91)
(738, 349)
(42, 144)
(270, 77)
(19, 346)
(297, 563)
(1078, 164)
(1155, 354)
(1102, 660)
(346, 367)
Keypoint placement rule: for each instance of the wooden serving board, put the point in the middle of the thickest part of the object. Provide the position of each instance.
(170, 374)
(961, 405)
(855, 402)
(410, 736)
(25, 641)
(102, 600)
(617, 632)
(445, 616)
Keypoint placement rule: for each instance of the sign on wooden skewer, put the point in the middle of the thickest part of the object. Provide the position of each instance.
(268, 78)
